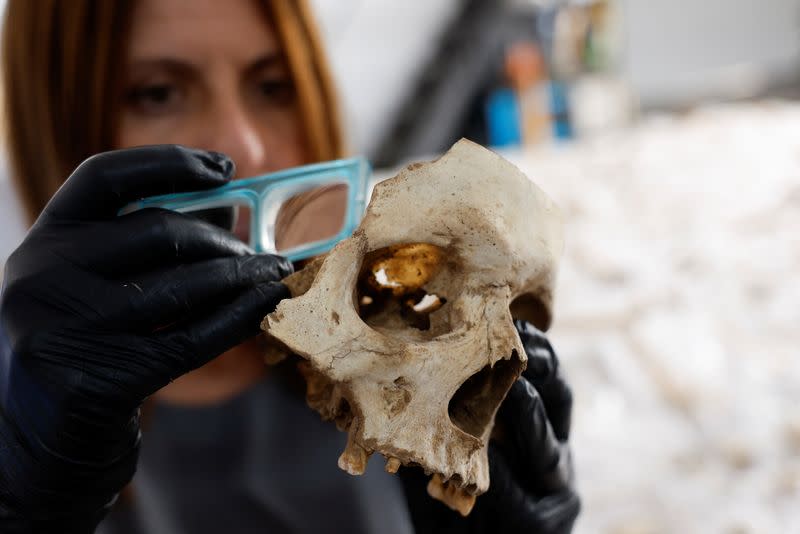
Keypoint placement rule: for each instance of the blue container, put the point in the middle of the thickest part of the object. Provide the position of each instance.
(559, 111)
(503, 118)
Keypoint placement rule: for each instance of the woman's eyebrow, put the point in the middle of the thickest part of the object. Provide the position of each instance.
(186, 69)
(270, 59)
(175, 67)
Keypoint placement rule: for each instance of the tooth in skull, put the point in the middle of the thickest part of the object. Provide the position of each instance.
(406, 327)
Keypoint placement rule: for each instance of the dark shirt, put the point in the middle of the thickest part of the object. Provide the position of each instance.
(259, 463)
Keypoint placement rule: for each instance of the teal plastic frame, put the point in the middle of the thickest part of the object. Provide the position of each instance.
(264, 195)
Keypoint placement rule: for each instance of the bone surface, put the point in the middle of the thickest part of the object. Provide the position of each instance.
(406, 327)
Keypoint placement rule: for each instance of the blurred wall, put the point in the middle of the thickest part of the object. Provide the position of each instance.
(677, 51)
(12, 225)
(377, 48)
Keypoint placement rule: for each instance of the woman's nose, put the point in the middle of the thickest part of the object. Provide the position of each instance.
(233, 131)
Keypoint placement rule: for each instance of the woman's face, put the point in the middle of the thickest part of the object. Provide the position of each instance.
(211, 74)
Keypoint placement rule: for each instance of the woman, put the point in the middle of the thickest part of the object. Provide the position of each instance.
(100, 312)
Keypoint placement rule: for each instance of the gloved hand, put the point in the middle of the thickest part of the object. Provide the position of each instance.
(97, 312)
(531, 474)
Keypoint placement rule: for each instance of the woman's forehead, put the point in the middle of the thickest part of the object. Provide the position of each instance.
(198, 30)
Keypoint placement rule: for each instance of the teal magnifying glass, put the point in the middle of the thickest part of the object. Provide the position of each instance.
(298, 212)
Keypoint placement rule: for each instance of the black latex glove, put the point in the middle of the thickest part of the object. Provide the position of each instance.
(97, 312)
(531, 487)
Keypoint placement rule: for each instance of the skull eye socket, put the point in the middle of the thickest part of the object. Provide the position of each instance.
(474, 403)
(390, 289)
(531, 308)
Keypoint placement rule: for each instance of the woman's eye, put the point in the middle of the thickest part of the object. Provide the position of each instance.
(277, 91)
(154, 98)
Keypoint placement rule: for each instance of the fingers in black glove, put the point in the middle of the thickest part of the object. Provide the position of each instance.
(553, 513)
(141, 364)
(228, 326)
(531, 470)
(99, 311)
(156, 299)
(533, 443)
(104, 183)
(544, 373)
(531, 477)
(80, 222)
(152, 238)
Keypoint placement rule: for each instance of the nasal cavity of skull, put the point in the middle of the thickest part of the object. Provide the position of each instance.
(391, 282)
(474, 403)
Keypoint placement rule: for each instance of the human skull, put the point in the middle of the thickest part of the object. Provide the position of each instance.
(406, 327)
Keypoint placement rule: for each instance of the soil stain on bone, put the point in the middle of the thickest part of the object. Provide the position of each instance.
(396, 395)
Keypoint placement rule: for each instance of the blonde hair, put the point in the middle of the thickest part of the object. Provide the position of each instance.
(61, 82)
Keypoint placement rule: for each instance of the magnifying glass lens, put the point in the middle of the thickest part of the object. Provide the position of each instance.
(299, 212)
(314, 215)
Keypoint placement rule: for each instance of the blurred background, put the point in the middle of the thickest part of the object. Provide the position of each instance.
(669, 134)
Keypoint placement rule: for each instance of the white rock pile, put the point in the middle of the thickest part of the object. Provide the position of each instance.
(678, 319)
